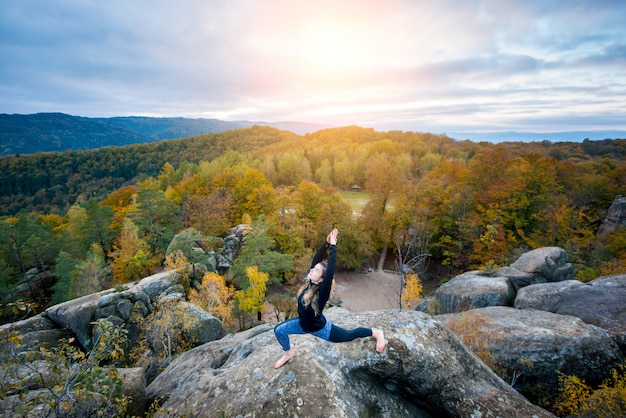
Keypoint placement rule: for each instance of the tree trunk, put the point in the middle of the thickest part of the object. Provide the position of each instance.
(381, 260)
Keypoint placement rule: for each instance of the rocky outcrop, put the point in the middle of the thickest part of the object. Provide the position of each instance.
(209, 254)
(615, 217)
(126, 306)
(545, 296)
(470, 290)
(531, 347)
(477, 289)
(424, 371)
(599, 302)
(35, 332)
(542, 265)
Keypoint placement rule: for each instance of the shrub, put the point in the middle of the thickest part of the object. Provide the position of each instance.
(577, 399)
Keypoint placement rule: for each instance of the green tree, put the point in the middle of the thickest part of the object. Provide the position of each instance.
(260, 251)
(63, 271)
(90, 275)
(74, 383)
(157, 218)
(324, 174)
(8, 279)
(292, 169)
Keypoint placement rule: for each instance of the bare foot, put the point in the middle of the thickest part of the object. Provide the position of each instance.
(285, 358)
(380, 339)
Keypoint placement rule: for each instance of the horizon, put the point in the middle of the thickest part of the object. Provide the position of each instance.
(485, 136)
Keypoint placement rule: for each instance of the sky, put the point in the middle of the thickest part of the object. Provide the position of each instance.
(428, 66)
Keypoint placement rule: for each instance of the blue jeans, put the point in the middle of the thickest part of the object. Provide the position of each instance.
(292, 326)
(330, 332)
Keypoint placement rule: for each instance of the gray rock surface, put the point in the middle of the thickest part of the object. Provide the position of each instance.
(546, 264)
(424, 371)
(545, 296)
(540, 344)
(471, 290)
(615, 216)
(601, 302)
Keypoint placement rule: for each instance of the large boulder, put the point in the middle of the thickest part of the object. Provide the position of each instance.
(128, 306)
(34, 332)
(472, 290)
(599, 302)
(615, 217)
(545, 296)
(546, 264)
(134, 387)
(532, 347)
(77, 315)
(424, 371)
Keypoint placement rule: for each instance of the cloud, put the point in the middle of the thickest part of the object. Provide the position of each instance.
(438, 64)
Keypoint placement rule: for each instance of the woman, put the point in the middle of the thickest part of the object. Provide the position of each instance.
(312, 298)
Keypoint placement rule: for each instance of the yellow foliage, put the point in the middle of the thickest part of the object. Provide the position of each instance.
(214, 296)
(412, 292)
(577, 399)
(467, 326)
(252, 298)
(574, 393)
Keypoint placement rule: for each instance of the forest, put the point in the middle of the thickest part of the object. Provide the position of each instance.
(83, 221)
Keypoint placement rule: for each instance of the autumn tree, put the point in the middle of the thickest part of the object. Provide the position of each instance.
(385, 177)
(121, 202)
(250, 300)
(411, 292)
(214, 296)
(254, 194)
(131, 255)
(211, 214)
(164, 334)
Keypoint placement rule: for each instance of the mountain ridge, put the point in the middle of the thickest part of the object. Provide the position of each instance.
(58, 132)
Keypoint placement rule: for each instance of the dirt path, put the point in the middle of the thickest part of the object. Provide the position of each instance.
(362, 292)
(359, 292)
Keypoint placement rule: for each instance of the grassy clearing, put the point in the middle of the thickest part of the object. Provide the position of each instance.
(357, 200)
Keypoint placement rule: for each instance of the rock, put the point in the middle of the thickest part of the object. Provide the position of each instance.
(615, 216)
(545, 296)
(34, 323)
(470, 290)
(77, 315)
(538, 344)
(519, 279)
(599, 302)
(134, 388)
(201, 327)
(424, 371)
(155, 288)
(602, 304)
(547, 264)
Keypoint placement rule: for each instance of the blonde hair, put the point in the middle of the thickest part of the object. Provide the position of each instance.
(311, 292)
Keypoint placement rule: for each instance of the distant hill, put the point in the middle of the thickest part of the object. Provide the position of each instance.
(44, 132)
(570, 136)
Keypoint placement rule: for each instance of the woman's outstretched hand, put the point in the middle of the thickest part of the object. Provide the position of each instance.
(332, 236)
